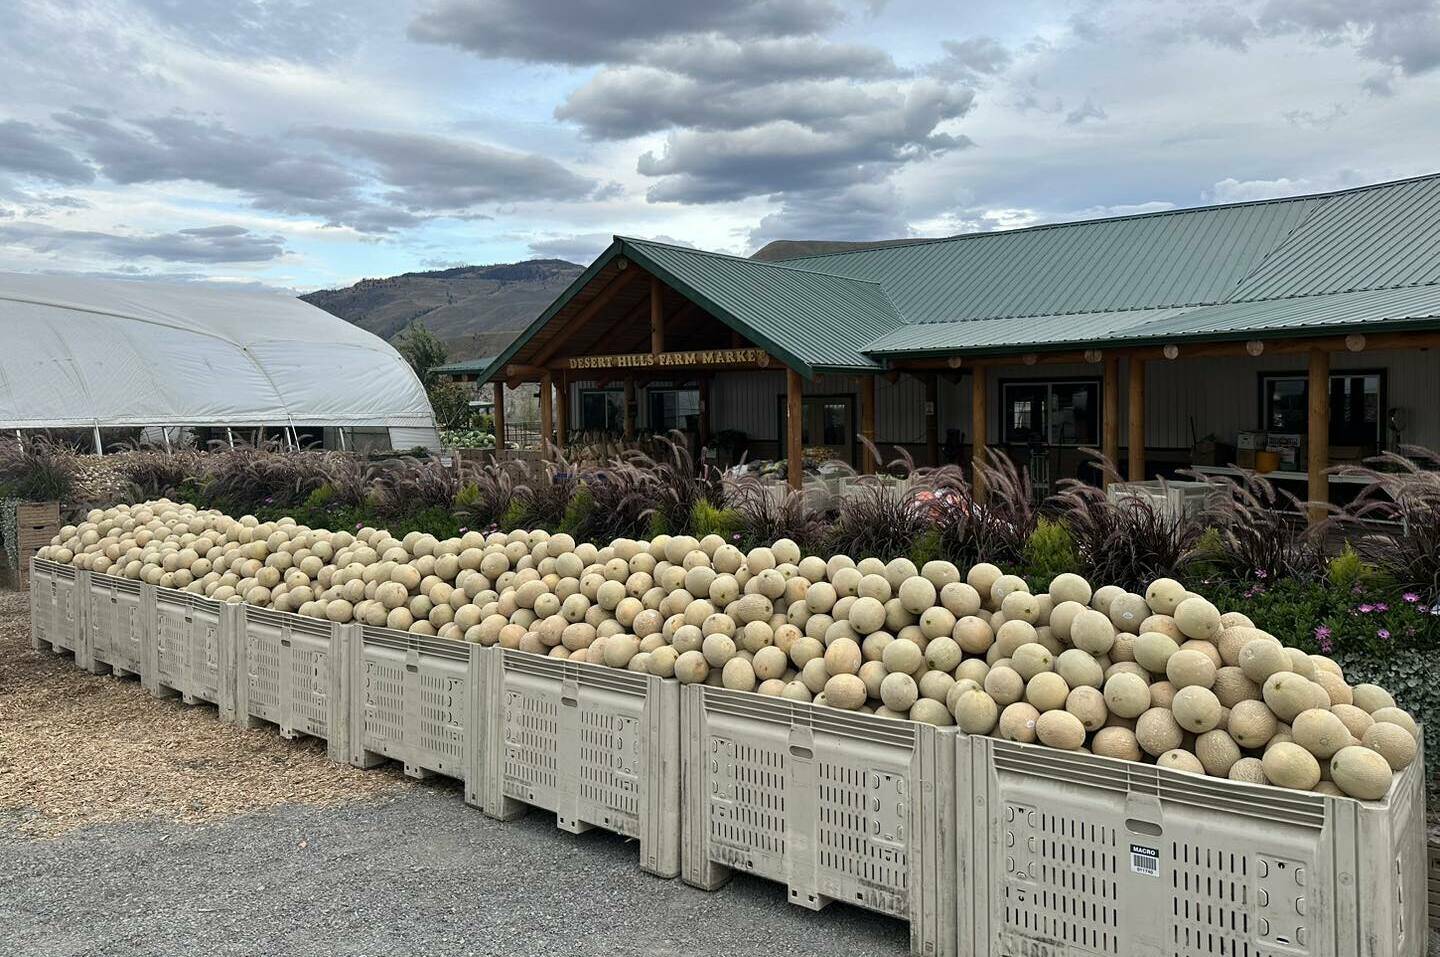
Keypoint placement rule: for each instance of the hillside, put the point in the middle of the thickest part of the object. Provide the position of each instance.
(477, 310)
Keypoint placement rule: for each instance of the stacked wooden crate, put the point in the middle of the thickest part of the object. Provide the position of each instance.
(36, 523)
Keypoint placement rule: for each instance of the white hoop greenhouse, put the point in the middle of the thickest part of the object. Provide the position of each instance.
(94, 355)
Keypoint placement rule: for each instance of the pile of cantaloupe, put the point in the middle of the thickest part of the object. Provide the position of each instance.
(1164, 676)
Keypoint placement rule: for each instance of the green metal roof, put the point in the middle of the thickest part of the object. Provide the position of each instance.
(1136, 262)
(811, 320)
(1365, 310)
(465, 366)
(1365, 258)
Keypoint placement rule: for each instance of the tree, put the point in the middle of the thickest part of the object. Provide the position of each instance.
(451, 403)
(423, 351)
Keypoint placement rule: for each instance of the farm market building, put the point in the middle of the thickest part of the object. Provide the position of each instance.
(1295, 332)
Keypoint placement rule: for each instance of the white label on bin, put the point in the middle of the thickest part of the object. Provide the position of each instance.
(1144, 860)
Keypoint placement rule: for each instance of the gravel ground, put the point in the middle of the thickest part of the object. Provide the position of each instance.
(78, 749)
(415, 873)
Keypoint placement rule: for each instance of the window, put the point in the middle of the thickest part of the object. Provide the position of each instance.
(1356, 403)
(673, 409)
(1062, 412)
(602, 410)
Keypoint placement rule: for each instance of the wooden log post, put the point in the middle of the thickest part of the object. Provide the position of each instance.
(794, 410)
(1318, 440)
(546, 397)
(562, 411)
(630, 403)
(1110, 441)
(1137, 420)
(868, 464)
(979, 419)
(932, 419)
(657, 317)
(499, 417)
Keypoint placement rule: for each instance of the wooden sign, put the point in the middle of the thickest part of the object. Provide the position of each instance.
(699, 357)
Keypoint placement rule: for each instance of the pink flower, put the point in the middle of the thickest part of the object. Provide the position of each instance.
(1410, 597)
(1383, 633)
(1326, 645)
(1381, 606)
(1322, 632)
(1365, 609)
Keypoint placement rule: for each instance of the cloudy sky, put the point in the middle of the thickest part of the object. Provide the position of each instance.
(309, 143)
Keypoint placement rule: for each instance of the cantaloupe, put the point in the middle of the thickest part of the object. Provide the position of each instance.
(1392, 742)
(930, 711)
(1197, 618)
(1217, 752)
(1017, 722)
(1028, 660)
(692, 668)
(1186, 668)
(1248, 770)
(1288, 765)
(1371, 698)
(1088, 704)
(1153, 651)
(1092, 631)
(1164, 594)
(1361, 773)
(1158, 732)
(1060, 729)
(845, 691)
(1398, 716)
(1127, 695)
(1251, 724)
(1178, 759)
(1287, 694)
(1196, 709)
(1127, 611)
(1070, 587)
(976, 712)
(1319, 732)
(1047, 691)
(1116, 742)
(1261, 658)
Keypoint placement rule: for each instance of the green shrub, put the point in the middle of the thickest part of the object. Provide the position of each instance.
(1409, 677)
(927, 548)
(512, 518)
(1049, 552)
(706, 519)
(577, 512)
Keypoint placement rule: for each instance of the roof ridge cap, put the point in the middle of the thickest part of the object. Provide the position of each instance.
(960, 237)
(752, 262)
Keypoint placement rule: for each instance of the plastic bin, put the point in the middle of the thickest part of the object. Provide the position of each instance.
(290, 671)
(1175, 499)
(115, 619)
(599, 747)
(414, 699)
(837, 805)
(1434, 855)
(55, 608)
(1068, 854)
(193, 651)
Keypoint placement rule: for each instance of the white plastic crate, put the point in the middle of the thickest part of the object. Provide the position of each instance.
(290, 671)
(413, 699)
(115, 621)
(1175, 499)
(599, 747)
(1071, 854)
(837, 805)
(56, 607)
(193, 648)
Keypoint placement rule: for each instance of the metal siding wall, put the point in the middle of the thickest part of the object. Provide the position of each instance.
(1221, 395)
